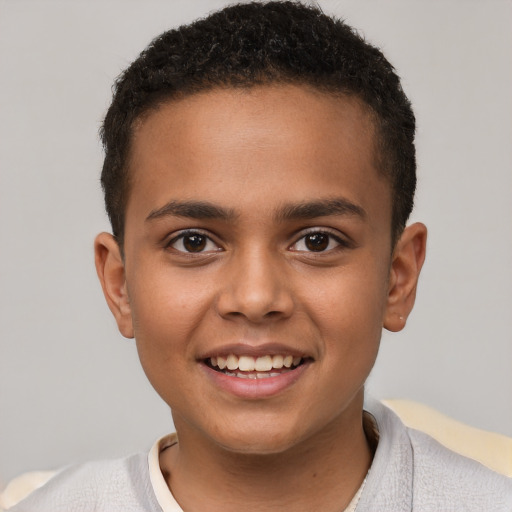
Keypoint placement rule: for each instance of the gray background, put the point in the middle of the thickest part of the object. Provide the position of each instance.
(70, 386)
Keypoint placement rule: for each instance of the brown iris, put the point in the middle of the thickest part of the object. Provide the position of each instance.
(317, 241)
(194, 243)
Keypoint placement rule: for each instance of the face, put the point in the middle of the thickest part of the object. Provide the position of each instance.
(257, 262)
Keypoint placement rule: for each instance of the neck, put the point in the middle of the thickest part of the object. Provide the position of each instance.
(321, 473)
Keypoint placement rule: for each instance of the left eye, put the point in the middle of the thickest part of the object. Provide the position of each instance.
(318, 241)
(193, 243)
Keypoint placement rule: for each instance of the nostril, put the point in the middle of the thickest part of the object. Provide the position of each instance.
(255, 295)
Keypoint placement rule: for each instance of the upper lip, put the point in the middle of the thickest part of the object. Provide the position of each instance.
(254, 350)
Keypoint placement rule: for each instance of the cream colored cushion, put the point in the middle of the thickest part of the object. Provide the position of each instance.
(22, 486)
(492, 450)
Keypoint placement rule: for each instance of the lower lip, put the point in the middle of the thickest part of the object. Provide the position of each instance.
(255, 388)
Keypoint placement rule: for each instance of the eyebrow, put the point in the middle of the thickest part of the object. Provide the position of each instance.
(293, 211)
(192, 210)
(320, 208)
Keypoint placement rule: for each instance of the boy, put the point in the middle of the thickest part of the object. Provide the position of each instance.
(259, 173)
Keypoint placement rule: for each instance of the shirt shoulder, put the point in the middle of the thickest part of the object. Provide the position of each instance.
(442, 476)
(413, 472)
(121, 485)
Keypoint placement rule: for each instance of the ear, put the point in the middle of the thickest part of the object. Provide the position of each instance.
(408, 258)
(110, 269)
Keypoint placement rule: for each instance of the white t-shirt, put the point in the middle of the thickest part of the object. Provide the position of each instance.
(410, 472)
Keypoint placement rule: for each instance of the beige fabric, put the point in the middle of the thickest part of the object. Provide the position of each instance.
(492, 450)
(22, 486)
(163, 494)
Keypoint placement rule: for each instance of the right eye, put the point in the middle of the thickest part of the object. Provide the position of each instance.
(193, 242)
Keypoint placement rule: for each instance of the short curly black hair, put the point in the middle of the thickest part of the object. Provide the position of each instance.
(257, 43)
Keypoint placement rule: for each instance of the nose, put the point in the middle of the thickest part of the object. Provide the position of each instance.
(256, 288)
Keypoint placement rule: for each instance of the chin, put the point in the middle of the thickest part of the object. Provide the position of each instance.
(262, 448)
(260, 440)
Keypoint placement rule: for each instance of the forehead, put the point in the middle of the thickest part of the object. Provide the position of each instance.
(239, 146)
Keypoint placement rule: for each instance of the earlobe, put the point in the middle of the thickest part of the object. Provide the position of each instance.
(408, 258)
(111, 273)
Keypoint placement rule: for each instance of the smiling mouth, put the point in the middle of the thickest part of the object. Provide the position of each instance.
(248, 367)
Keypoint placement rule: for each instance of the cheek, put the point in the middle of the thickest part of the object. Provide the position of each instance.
(166, 310)
(165, 319)
(347, 294)
(348, 309)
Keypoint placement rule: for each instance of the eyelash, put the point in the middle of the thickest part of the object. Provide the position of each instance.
(191, 233)
(341, 243)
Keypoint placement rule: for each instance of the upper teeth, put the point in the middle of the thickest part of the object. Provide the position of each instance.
(250, 364)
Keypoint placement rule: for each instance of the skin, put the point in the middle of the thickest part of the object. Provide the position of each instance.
(257, 155)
